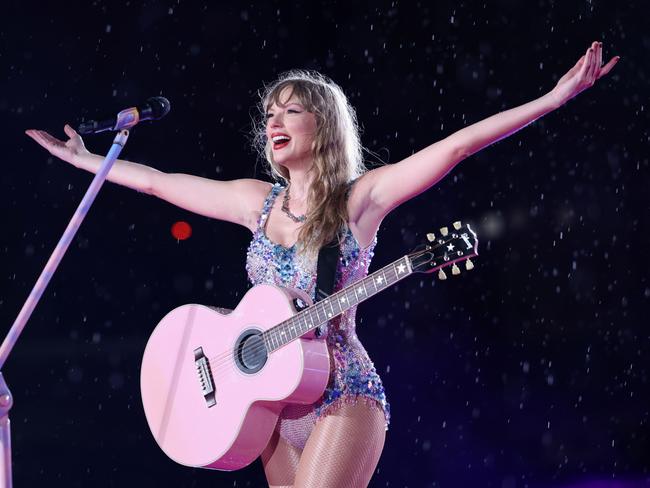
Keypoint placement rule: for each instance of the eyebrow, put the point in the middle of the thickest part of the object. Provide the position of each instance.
(290, 103)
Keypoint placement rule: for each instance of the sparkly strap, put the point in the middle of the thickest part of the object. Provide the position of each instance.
(268, 203)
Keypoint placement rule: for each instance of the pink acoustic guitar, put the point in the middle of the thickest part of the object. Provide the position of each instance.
(214, 381)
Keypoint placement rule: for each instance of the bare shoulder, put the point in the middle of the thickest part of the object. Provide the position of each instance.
(252, 189)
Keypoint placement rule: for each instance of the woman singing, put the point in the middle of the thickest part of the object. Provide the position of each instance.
(307, 133)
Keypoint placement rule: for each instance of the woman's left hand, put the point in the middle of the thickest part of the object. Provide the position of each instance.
(584, 74)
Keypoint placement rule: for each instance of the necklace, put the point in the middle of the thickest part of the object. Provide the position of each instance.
(285, 207)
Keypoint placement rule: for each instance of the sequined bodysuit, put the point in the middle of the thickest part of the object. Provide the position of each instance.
(352, 374)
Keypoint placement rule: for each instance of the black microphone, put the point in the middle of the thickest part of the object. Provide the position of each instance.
(153, 109)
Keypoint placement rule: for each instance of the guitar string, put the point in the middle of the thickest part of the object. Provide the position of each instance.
(226, 357)
(216, 362)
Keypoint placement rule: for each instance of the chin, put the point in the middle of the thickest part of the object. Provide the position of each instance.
(282, 161)
(286, 160)
(279, 161)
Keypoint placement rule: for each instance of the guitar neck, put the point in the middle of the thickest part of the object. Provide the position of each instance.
(337, 303)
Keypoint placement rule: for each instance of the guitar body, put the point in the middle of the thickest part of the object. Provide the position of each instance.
(211, 394)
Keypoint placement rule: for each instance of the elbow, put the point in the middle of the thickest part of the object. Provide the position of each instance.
(149, 188)
(153, 183)
(461, 153)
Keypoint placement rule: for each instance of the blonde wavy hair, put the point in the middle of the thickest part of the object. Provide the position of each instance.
(337, 152)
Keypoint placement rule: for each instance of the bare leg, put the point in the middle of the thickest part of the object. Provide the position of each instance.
(280, 460)
(343, 449)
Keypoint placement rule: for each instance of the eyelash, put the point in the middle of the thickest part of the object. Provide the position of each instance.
(290, 110)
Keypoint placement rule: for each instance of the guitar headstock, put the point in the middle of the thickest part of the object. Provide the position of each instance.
(446, 248)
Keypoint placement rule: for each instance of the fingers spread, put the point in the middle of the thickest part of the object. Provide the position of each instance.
(608, 67)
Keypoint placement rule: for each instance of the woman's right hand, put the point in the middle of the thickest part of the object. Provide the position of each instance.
(68, 151)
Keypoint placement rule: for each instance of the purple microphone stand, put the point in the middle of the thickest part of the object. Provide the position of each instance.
(125, 119)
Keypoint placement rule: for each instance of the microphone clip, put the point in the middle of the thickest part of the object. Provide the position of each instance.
(127, 118)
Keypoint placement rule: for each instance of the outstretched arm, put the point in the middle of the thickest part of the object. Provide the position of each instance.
(233, 201)
(381, 190)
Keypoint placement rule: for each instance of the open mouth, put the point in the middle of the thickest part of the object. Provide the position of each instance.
(280, 141)
(280, 145)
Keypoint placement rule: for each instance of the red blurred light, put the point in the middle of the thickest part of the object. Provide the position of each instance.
(181, 230)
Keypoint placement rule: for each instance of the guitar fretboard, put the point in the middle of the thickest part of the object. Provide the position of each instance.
(337, 303)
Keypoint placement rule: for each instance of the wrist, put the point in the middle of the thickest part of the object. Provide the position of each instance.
(78, 158)
(555, 99)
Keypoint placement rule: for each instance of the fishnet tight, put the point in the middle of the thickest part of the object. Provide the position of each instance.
(342, 451)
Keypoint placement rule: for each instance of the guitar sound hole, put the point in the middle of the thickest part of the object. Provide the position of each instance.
(250, 352)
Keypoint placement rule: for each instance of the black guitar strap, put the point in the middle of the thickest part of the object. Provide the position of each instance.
(328, 256)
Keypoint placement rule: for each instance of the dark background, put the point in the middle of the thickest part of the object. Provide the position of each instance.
(532, 370)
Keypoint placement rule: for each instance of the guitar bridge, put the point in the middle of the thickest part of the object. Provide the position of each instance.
(205, 377)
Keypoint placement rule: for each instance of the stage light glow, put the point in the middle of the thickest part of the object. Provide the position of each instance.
(181, 230)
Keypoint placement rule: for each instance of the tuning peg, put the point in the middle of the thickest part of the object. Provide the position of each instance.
(444, 231)
(431, 236)
(455, 270)
(457, 225)
(442, 275)
(469, 264)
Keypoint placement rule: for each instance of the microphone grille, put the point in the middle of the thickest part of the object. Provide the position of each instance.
(160, 107)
